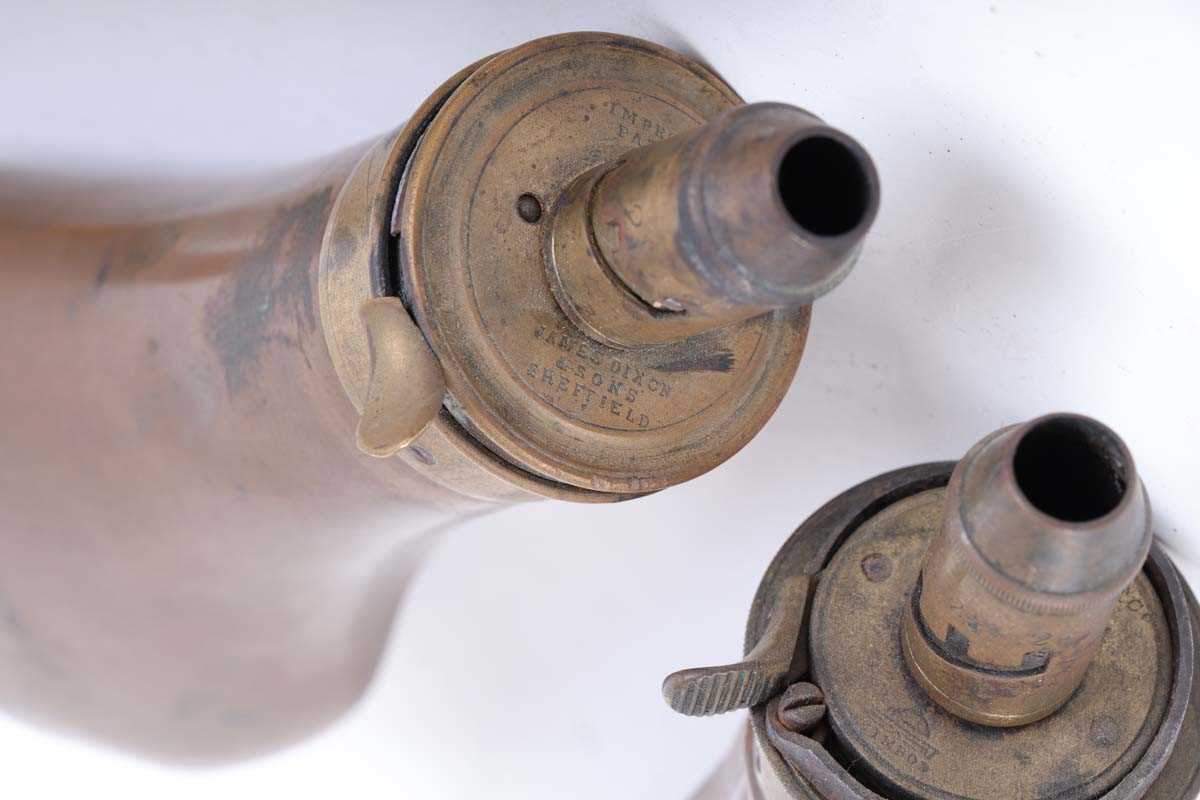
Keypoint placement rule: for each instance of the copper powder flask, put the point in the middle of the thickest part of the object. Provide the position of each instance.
(234, 411)
(1000, 627)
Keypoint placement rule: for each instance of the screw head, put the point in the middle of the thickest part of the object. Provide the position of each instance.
(529, 208)
(801, 707)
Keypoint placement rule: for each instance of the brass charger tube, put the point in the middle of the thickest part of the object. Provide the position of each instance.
(763, 208)
(1046, 523)
(232, 413)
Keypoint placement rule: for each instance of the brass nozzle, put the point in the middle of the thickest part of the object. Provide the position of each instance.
(1045, 524)
(764, 207)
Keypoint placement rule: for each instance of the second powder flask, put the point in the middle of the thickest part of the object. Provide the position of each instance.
(1003, 628)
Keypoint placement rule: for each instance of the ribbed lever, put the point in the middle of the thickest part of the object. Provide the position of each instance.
(779, 658)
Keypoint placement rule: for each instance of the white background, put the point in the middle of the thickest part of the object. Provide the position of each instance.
(1036, 251)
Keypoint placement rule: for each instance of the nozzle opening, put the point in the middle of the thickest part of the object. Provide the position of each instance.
(1071, 468)
(823, 186)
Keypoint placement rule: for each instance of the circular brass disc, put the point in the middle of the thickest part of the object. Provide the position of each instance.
(898, 735)
(520, 377)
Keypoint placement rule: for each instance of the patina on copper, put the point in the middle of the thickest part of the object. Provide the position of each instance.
(1129, 729)
(233, 411)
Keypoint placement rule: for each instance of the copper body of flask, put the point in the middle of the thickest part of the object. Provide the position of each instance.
(232, 414)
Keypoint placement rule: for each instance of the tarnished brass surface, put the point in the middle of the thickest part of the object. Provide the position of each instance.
(356, 265)
(1131, 729)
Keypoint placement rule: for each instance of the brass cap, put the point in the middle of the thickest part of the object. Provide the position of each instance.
(472, 220)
